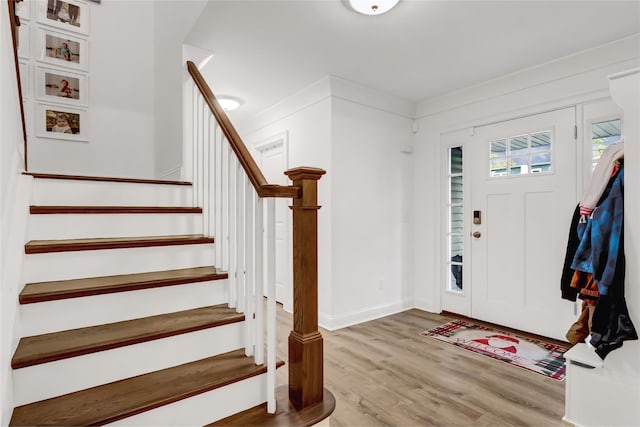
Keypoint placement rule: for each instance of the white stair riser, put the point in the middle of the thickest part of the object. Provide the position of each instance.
(35, 383)
(94, 310)
(108, 262)
(206, 407)
(72, 226)
(90, 193)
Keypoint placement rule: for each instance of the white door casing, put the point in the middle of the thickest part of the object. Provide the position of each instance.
(273, 160)
(516, 262)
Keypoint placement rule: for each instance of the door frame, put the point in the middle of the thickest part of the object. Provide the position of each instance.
(280, 139)
(461, 135)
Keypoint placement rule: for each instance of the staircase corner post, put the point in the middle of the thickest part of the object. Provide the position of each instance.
(305, 341)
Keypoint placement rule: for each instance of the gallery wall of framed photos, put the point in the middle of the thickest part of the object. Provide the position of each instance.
(53, 56)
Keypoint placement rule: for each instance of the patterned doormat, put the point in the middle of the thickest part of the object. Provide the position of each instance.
(537, 356)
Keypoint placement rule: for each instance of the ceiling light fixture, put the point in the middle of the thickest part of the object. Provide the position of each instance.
(372, 7)
(228, 103)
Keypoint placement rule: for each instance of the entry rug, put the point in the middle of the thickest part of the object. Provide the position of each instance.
(537, 356)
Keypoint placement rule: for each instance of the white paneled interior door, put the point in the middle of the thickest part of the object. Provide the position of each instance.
(273, 163)
(523, 186)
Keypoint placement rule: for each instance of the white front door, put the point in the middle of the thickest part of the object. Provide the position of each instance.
(273, 163)
(523, 192)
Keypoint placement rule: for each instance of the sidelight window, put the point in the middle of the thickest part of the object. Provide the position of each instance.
(455, 226)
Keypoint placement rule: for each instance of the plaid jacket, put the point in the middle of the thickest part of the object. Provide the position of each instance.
(600, 236)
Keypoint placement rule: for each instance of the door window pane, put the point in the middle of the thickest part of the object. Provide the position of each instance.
(603, 134)
(521, 154)
(541, 152)
(498, 158)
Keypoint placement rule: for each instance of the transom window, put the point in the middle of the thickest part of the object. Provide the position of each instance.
(521, 154)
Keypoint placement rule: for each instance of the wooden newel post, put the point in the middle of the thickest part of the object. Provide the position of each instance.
(305, 341)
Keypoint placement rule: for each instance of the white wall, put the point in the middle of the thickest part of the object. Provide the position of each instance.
(309, 131)
(361, 137)
(368, 194)
(173, 19)
(568, 81)
(135, 93)
(121, 98)
(14, 194)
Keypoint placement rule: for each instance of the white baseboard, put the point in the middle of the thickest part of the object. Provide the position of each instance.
(340, 321)
(425, 305)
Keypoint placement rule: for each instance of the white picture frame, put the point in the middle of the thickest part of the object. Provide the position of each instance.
(61, 86)
(68, 15)
(23, 10)
(62, 49)
(62, 122)
(24, 40)
(25, 79)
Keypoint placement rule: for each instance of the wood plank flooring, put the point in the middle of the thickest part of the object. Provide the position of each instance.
(383, 373)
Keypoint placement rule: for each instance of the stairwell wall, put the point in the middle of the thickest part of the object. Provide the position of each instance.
(14, 196)
(121, 99)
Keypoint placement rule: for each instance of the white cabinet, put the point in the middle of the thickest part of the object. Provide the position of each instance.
(603, 393)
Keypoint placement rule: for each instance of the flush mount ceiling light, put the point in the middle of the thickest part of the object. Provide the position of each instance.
(372, 7)
(228, 103)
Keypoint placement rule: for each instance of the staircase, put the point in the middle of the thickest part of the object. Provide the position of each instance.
(131, 312)
(124, 318)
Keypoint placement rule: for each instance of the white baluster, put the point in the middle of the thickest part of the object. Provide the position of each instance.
(218, 199)
(271, 305)
(233, 234)
(224, 205)
(240, 278)
(190, 173)
(206, 183)
(259, 278)
(249, 267)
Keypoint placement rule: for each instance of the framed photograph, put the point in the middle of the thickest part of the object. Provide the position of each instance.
(63, 86)
(23, 10)
(62, 122)
(62, 49)
(24, 40)
(70, 15)
(25, 78)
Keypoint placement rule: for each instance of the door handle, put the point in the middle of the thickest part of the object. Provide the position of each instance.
(476, 234)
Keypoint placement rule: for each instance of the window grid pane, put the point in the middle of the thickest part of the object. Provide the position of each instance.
(521, 154)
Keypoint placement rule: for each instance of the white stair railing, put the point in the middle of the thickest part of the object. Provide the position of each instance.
(239, 212)
(234, 214)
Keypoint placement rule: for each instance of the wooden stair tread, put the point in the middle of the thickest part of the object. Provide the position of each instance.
(75, 342)
(105, 178)
(115, 401)
(285, 415)
(67, 245)
(64, 289)
(40, 210)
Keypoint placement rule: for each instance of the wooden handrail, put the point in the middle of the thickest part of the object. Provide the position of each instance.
(262, 187)
(14, 23)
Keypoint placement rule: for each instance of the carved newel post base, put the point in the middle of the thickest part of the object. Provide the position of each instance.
(305, 341)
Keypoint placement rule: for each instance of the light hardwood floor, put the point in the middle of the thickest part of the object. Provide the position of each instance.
(383, 373)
